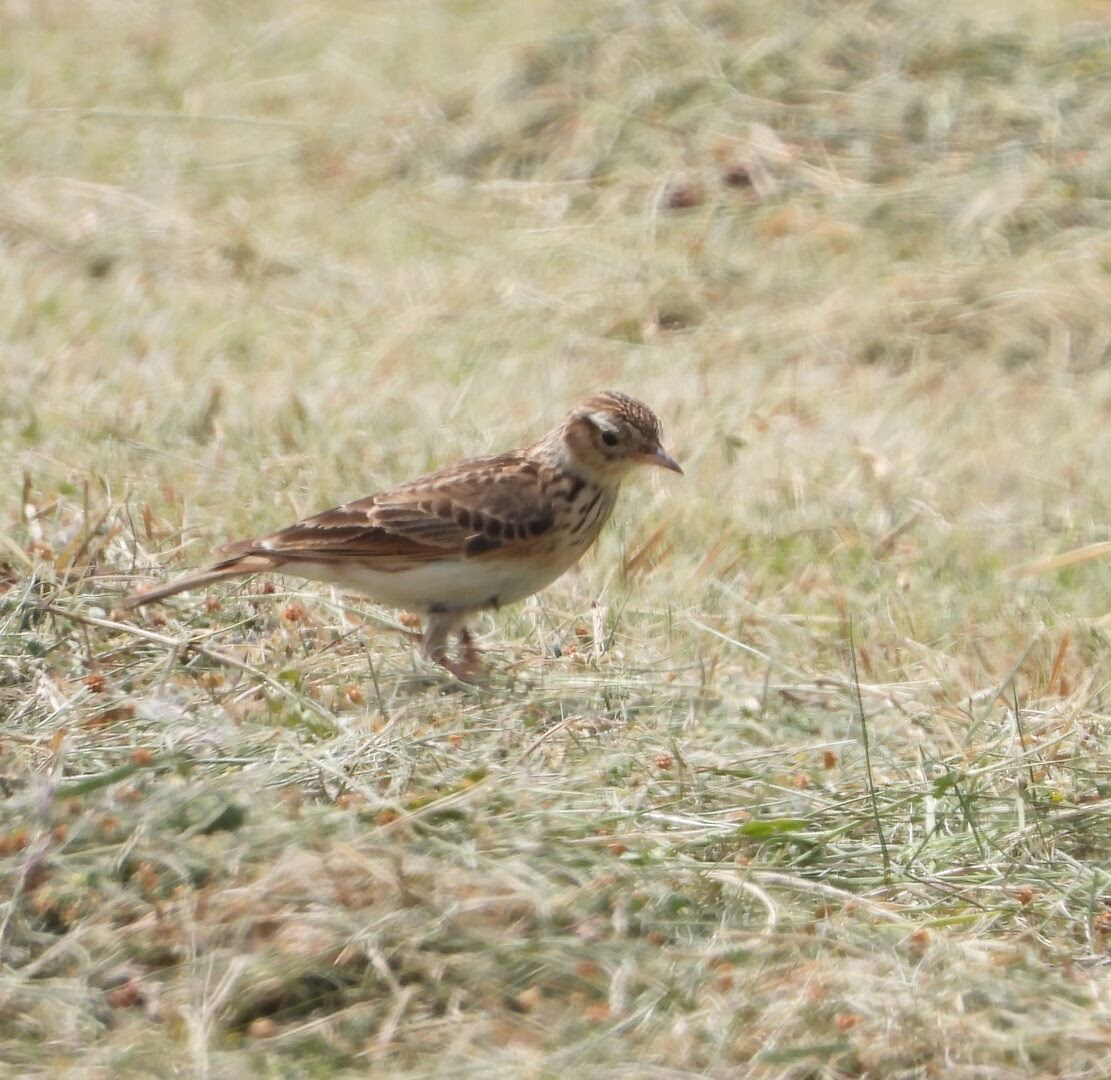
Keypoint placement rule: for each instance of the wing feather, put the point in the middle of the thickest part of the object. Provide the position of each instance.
(466, 510)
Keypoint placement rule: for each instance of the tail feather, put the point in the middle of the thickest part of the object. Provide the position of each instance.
(241, 567)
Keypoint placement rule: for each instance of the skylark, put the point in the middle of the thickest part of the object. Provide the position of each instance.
(477, 535)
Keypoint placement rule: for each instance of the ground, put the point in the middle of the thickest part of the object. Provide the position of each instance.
(803, 773)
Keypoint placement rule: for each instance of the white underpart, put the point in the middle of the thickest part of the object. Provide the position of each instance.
(456, 585)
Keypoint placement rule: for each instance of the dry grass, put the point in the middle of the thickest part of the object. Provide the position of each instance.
(793, 778)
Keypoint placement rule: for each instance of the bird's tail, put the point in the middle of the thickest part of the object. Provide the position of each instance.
(230, 568)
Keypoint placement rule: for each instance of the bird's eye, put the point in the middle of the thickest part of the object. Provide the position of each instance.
(609, 438)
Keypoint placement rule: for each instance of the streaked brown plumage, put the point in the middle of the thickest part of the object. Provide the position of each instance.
(480, 534)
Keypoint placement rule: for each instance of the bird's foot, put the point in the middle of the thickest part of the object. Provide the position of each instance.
(463, 671)
(468, 651)
(469, 667)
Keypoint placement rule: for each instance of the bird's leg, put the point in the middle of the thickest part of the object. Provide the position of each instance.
(438, 628)
(468, 651)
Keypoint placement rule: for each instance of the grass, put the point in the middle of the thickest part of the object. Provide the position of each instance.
(804, 773)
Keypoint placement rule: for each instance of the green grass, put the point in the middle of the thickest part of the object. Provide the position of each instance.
(794, 777)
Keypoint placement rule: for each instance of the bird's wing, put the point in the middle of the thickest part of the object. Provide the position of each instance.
(466, 510)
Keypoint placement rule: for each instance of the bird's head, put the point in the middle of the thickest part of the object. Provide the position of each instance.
(608, 434)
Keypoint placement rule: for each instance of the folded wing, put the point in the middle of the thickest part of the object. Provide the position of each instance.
(467, 510)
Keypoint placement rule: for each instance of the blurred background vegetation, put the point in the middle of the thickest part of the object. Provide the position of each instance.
(256, 259)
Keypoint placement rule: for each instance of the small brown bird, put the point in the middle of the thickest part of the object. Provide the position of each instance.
(480, 534)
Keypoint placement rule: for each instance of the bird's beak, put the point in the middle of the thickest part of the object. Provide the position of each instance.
(663, 459)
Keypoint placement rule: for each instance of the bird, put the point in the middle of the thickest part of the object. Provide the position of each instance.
(474, 536)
